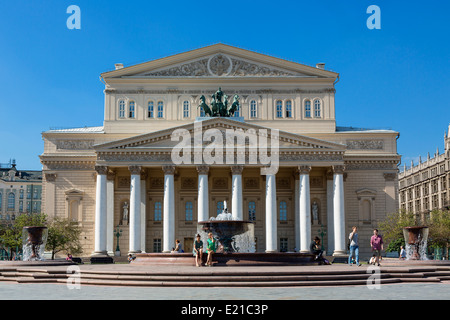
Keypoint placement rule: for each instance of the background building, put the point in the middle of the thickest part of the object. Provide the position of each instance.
(20, 192)
(121, 173)
(426, 186)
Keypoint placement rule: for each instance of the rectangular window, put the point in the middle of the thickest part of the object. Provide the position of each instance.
(283, 244)
(158, 211)
(157, 245)
(251, 211)
(189, 211)
(283, 211)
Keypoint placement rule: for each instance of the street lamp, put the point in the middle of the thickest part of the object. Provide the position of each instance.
(117, 234)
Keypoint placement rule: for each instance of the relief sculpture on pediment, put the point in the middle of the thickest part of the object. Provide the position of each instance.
(220, 65)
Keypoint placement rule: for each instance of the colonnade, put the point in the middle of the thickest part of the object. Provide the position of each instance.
(335, 216)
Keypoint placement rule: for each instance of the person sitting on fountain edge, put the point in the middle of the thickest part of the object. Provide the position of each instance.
(210, 249)
(198, 251)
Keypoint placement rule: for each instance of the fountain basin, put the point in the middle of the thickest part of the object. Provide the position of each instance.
(228, 259)
(34, 240)
(416, 242)
(232, 236)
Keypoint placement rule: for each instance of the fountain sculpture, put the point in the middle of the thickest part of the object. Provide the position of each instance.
(232, 235)
(416, 242)
(34, 240)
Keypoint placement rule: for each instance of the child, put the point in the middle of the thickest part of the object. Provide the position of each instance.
(402, 253)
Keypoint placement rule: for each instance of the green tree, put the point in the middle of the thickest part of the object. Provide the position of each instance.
(439, 228)
(63, 235)
(392, 228)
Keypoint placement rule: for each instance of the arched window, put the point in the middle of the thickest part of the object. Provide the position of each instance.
(121, 109)
(132, 109)
(186, 109)
(160, 109)
(253, 109)
(279, 106)
(307, 109)
(251, 211)
(11, 201)
(158, 211)
(317, 108)
(289, 109)
(202, 112)
(283, 211)
(189, 211)
(150, 109)
(219, 207)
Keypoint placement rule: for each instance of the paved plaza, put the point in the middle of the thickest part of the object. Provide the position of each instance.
(10, 290)
(412, 291)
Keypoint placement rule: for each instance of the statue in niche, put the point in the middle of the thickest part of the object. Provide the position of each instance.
(315, 213)
(124, 216)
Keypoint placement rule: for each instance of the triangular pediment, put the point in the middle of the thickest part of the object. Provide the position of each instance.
(227, 128)
(219, 60)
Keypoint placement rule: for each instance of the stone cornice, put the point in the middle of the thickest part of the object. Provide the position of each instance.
(204, 92)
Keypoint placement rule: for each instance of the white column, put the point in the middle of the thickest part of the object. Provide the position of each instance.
(135, 210)
(110, 176)
(330, 213)
(339, 211)
(169, 209)
(203, 194)
(143, 210)
(100, 211)
(305, 209)
(297, 212)
(271, 211)
(236, 193)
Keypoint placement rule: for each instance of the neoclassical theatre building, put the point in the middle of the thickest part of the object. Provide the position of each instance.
(121, 177)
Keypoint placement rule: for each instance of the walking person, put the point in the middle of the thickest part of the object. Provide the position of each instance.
(210, 249)
(354, 246)
(376, 243)
(198, 251)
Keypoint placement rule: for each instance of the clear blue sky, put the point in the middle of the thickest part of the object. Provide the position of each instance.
(396, 77)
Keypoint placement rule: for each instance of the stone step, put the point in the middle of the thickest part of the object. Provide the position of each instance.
(210, 277)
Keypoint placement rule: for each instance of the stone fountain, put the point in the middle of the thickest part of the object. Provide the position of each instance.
(34, 240)
(416, 242)
(232, 235)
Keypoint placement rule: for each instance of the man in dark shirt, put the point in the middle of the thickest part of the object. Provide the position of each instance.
(314, 248)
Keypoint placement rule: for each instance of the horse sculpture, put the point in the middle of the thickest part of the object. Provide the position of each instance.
(234, 106)
(205, 107)
(219, 108)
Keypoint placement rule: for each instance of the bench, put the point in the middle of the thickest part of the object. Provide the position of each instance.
(392, 254)
(101, 260)
(77, 260)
